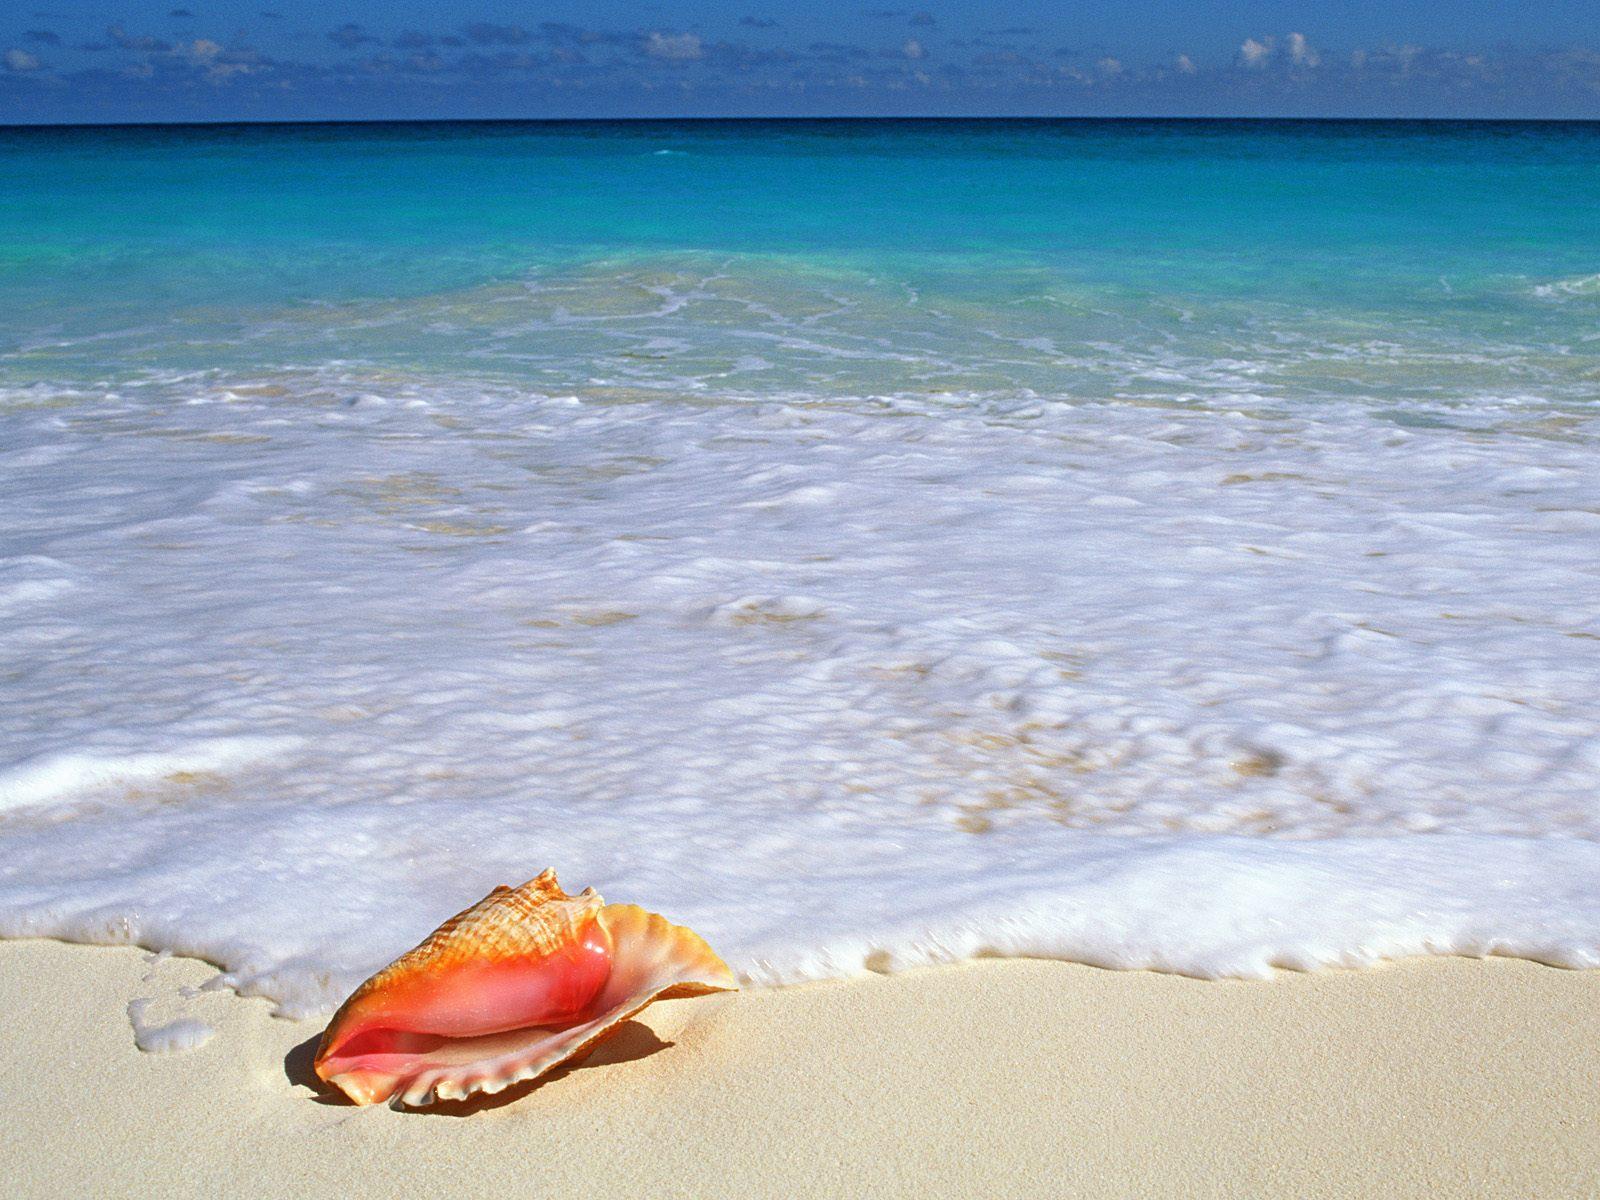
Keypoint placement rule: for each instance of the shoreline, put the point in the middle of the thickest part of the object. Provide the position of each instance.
(1437, 1076)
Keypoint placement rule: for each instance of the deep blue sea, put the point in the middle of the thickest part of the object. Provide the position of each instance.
(1156, 543)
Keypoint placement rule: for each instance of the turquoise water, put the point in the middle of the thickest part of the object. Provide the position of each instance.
(1182, 261)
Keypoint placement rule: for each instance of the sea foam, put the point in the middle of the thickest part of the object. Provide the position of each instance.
(845, 685)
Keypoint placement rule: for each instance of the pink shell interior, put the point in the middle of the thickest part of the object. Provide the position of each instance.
(415, 1062)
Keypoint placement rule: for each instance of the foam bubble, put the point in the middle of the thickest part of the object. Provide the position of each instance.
(186, 1033)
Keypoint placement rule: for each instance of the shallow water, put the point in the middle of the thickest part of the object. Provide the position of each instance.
(1157, 544)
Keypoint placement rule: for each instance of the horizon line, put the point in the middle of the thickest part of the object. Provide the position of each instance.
(930, 118)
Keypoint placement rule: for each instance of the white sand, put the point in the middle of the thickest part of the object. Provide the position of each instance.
(1443, 1077)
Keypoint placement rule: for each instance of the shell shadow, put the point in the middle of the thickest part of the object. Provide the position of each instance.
(631, 1042)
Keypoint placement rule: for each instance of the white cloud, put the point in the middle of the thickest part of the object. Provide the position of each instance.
(1405, 55)
(913, 49)
(1185, 65)
(202, 49)
(21, 60)
(675, 47)
(1301, 51)
(224, 71)
(1255, 54)
(1109, 66)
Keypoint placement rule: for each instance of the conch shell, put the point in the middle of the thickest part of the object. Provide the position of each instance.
(523, 980)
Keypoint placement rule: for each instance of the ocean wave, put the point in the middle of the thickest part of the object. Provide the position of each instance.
(1578, 285)
(764, 325)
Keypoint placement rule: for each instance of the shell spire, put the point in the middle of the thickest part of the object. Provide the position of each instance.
(503, 991)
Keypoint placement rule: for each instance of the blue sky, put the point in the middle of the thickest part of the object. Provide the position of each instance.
(94, 60)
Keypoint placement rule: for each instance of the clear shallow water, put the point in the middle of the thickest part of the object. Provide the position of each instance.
(1155, 544)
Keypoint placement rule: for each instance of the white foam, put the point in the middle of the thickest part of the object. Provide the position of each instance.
(55, 777)
(883, 681)
(1577, 285)
(186, 1033)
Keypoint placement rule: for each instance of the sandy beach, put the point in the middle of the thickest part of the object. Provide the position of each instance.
(1437, 1077)
(871, 543)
